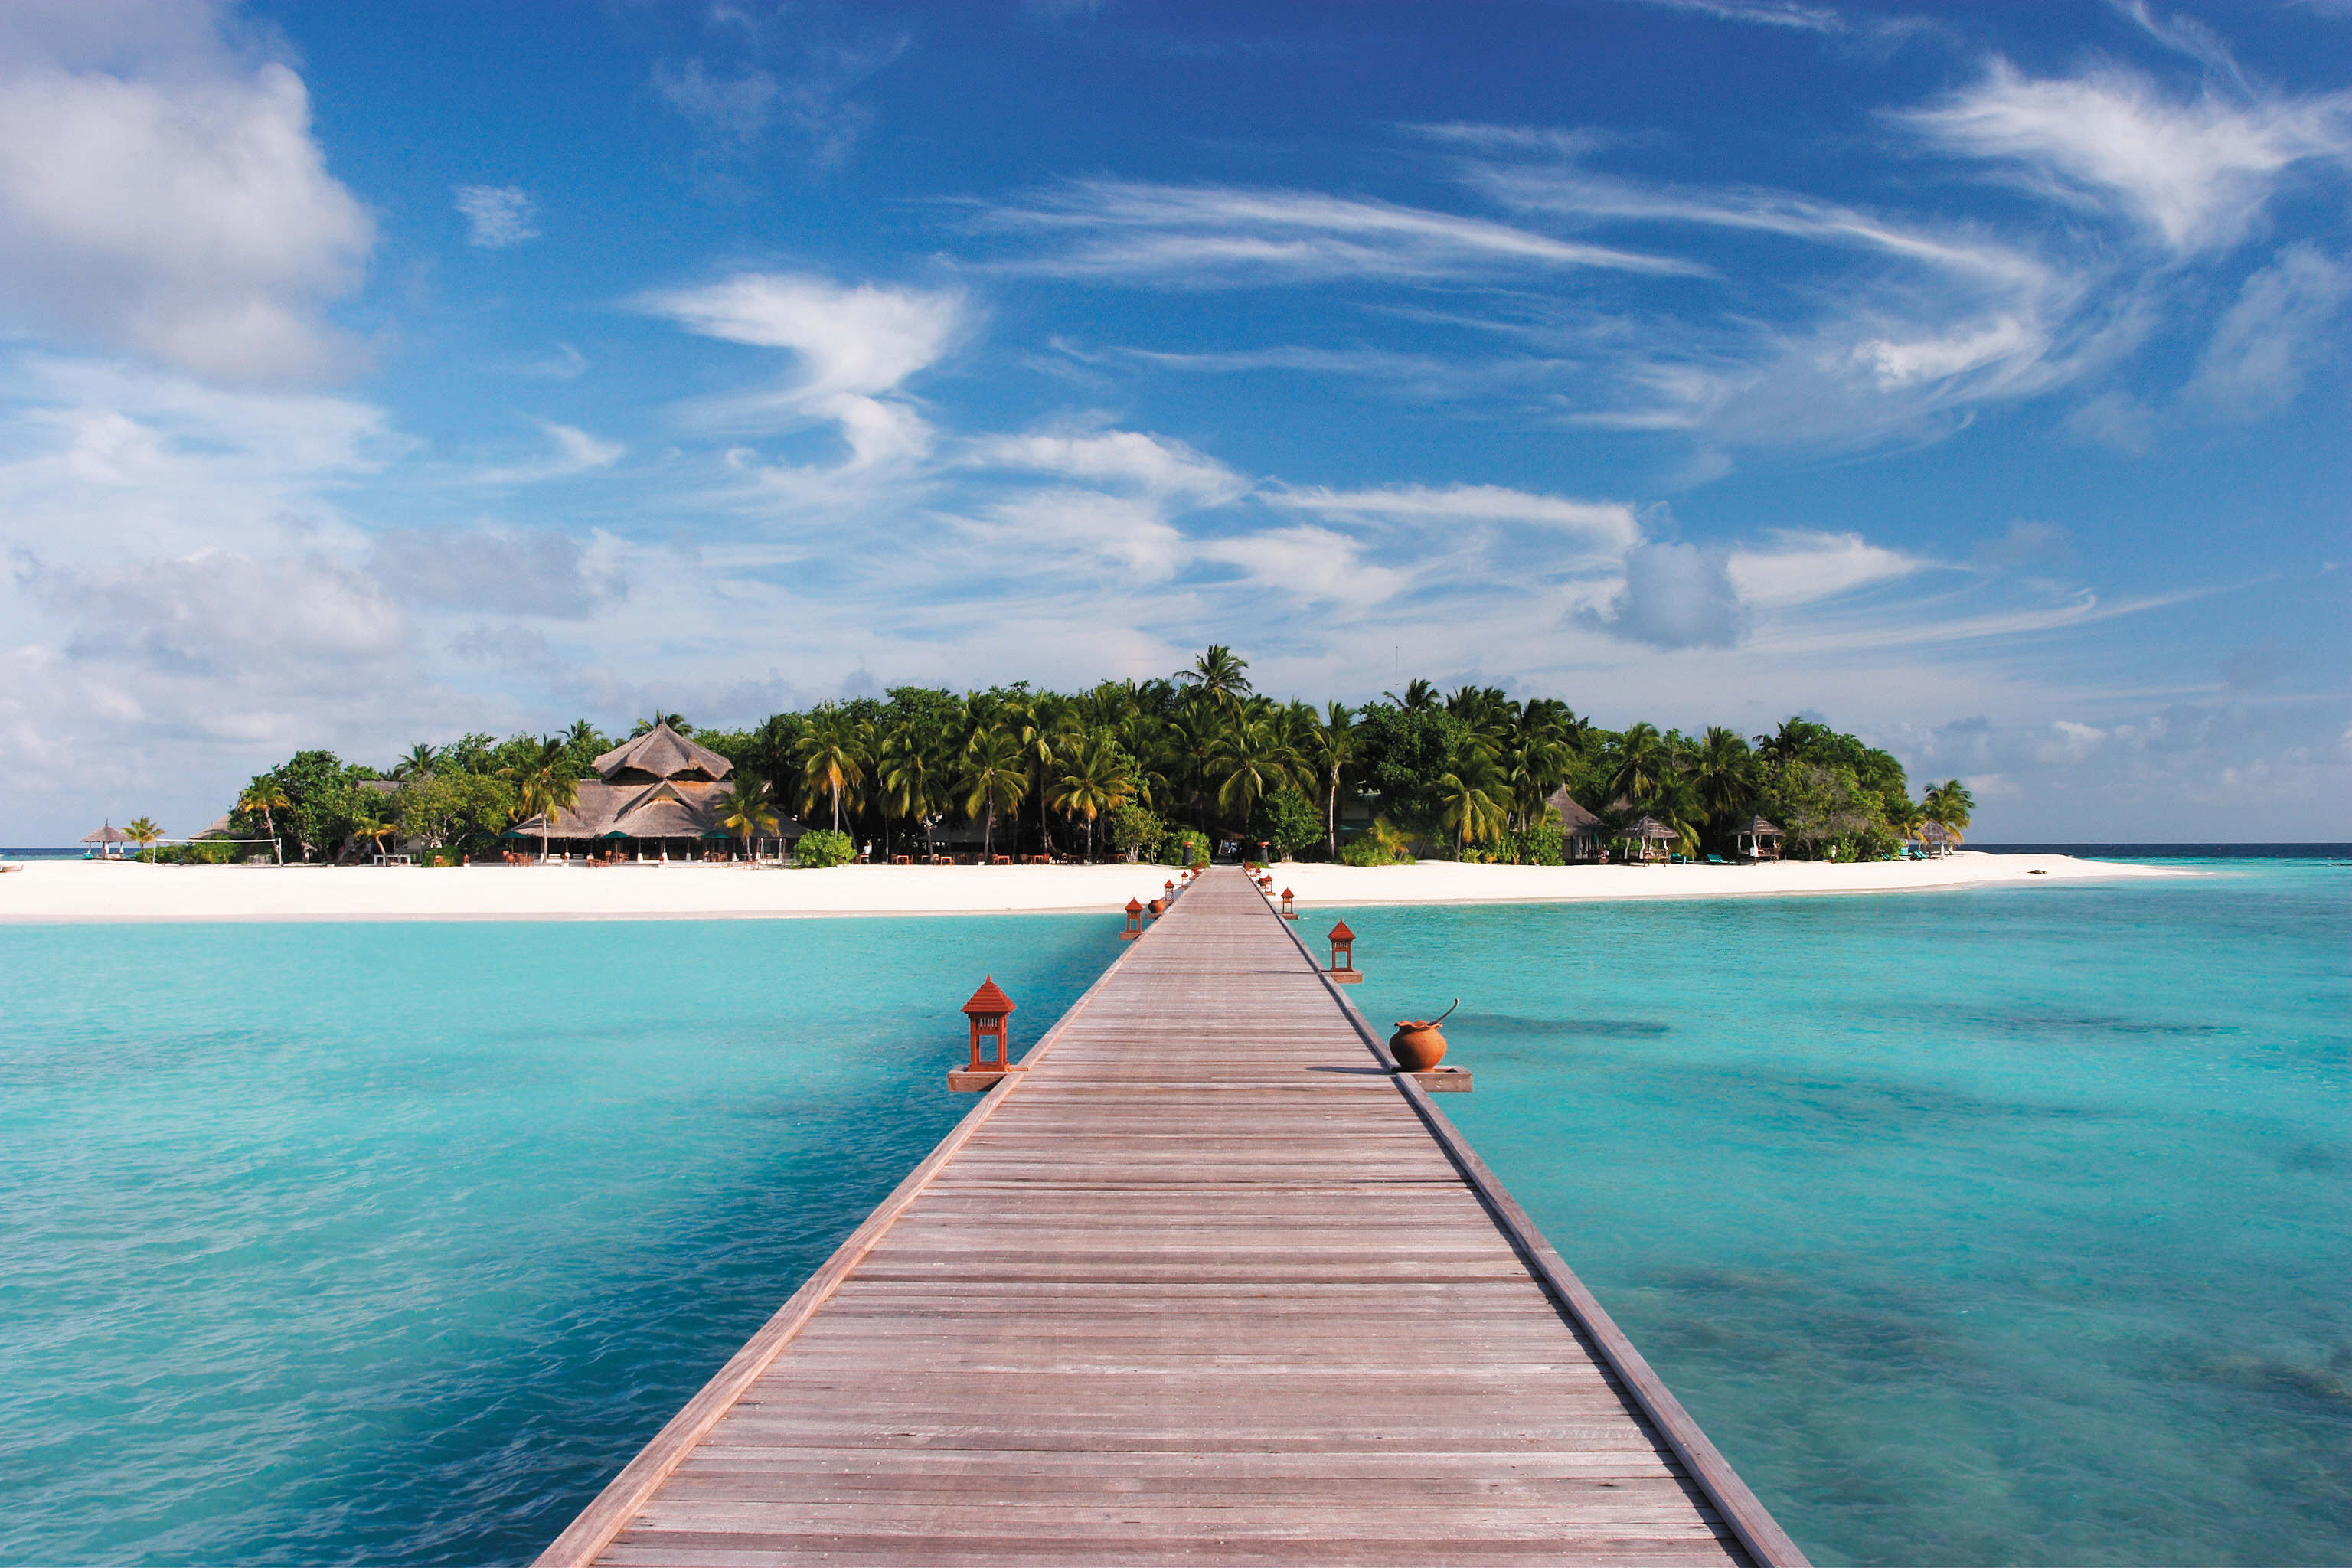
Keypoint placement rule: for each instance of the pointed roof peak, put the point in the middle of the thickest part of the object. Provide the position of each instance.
(663, 753)
(989, 998)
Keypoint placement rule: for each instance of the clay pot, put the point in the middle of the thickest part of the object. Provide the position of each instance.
(1158, 907)
(1418, 1045)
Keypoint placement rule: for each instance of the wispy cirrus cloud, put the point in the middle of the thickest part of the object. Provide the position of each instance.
(1223, 236)
(1758, 13)
(2197, 173)
(855, 346)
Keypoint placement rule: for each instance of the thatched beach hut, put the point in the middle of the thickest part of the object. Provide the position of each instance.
(1760, 840)
(1580, 832)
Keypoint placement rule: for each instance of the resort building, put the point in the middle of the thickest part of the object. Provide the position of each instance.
(659, 797)
(1580, 832)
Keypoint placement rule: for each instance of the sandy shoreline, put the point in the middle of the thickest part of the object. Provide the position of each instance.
(77, 891)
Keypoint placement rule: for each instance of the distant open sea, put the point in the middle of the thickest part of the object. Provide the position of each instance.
(2007, 1226)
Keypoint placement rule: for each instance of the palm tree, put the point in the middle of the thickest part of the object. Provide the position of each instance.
(1949, 806)
(370, 823)
(1420, 697)
(994, 779)
(267, 796)
(1906, 818)
(1332, 749)
(1218, 675)
(748, 810)
(675, 721)
(833, 756)
(1724, 770)
(543, 786)
(1639, 763)
(1249, 764)
(1470, 796)
(1093, 779)
(143, 831)
(417, 763)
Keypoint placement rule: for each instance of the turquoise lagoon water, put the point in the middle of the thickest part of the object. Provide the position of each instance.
(2009, 1226)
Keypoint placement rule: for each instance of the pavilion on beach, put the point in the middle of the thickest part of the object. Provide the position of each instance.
(1760, 840)
(106, 838)
(1647, 832)
(1937, 840)
(659, 797)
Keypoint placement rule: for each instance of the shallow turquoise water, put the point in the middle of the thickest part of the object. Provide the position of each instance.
(2004, 1226)
(1988, 1228)
(387, 1244)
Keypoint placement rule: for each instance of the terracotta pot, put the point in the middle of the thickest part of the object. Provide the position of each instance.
(1417, 1045)
(1158, 907)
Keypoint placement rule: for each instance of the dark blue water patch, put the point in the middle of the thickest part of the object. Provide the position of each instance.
(2333, 852)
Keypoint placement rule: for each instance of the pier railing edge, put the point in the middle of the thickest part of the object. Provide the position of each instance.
(610, 1511)
(1742, 1511)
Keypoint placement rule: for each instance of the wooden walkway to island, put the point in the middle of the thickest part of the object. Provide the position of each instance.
(1207, 1283)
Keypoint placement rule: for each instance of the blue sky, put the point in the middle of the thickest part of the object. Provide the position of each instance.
(1973, 378)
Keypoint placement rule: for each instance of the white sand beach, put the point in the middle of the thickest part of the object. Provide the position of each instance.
(59, 891)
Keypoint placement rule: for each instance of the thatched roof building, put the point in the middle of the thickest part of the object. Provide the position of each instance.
(1581, 831)
(1758, 841)
(659, 795)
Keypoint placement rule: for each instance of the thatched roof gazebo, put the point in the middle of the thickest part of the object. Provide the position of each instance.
(1937, 840)
(1646, 831)
(105, 838)
(1758, 841)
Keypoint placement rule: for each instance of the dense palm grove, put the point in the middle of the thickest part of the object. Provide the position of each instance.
(1166, 768)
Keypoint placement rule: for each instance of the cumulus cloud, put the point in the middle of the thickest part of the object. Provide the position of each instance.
(522, 572)
(160, 195)
(216, 612)
(2197, 173)
(2273, 336)
(498, 217)
(1675, 597)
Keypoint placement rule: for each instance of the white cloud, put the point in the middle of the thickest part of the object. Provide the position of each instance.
(160, 196)
(498, 217)
(518, 572)
(854, 344)
(1154, 464)
(1970, 347)
(1610, 527)
(810, 102)
(1219, 236)
(1675, 597)
(576, 452)
(1308, 562)
(1802, 567)
(1759, 12)
(2197, 173)
(2271, 336)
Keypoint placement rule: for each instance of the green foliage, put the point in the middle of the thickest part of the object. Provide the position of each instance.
(1184, 846)
(454, 808)
(1405, 756)
(1136, 827)
(1286, 823)
(1367, 850)
(1544, 845)
(824, 847)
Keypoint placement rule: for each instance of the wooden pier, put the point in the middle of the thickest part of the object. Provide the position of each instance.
(1208, 1283)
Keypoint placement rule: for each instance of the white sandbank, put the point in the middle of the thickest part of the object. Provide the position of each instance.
(59, 891)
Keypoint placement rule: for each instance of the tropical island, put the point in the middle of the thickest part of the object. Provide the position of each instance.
(1170, 770)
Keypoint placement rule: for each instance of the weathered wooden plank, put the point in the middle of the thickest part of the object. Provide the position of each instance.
(1207, 1281)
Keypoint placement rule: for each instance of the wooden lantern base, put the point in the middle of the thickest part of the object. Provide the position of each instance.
(967, 1081)
(1344, 977)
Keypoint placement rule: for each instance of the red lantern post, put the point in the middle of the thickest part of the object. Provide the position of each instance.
(1289, 912)
(992, 1041)
(1134, 920)
(1343, 969)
